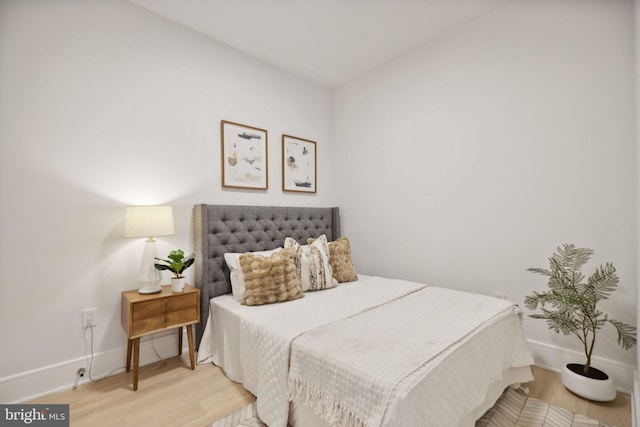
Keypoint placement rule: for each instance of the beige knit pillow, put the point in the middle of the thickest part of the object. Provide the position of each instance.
(340, 260)
(270, 279)
(312, 264)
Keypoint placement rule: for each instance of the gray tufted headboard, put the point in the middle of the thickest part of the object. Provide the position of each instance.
(222, 228)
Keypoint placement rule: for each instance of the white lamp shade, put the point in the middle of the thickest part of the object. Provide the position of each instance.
(148, 221)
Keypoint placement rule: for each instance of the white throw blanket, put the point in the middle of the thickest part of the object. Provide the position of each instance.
(267, 331)
(362, 371)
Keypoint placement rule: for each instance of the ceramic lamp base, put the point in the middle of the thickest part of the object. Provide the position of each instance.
(150, 290)
(150, 277)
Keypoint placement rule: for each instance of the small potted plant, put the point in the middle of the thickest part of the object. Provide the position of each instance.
(177, 264)
(572, 302)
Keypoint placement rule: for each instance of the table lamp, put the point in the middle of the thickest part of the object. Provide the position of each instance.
(149, 221)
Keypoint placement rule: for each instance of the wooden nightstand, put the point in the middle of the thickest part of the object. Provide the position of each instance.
(144, 314)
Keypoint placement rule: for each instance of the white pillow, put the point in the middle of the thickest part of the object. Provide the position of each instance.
(312, 264)
(237, 278)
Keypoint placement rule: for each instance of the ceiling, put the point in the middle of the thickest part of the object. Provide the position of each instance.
(326, 41)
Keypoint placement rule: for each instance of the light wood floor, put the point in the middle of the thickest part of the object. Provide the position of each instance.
(170, 394)
(547, 387)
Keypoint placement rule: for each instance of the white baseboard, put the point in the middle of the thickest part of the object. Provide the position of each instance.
(51, 379)
(635, 400)
(62, 376)
(554, 358)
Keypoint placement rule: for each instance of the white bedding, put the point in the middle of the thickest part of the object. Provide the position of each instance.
(252, 345)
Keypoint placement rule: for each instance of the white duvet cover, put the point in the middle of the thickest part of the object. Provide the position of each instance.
(375, 352)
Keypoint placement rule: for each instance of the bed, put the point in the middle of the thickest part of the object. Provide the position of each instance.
(350, 354)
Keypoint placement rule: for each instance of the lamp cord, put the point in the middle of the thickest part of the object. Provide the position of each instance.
(91, 356)
(91, 362)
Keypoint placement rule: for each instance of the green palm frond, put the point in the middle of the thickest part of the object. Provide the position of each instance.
(572, 258)
(541, 271)
(559, 321)
(626, 334)
(603, 281)
(532, 301)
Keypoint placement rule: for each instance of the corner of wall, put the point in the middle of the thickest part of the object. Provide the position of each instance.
(635, 406)
(635, 401)
(552, 357)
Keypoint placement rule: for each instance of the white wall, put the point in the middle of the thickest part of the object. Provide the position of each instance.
(495, 142)
(636, 400)
(483, 150)
(105, 105)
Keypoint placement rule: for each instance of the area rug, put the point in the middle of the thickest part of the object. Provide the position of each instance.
(243, 417)
(513, 409)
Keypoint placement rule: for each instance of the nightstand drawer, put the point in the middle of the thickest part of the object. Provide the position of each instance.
(149, 324)
(182, 302)
(146, 309)
(164, 320)
(181, 317)
(143, 310)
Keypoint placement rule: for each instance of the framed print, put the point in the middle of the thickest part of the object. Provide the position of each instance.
(298, 164)
(244, 156)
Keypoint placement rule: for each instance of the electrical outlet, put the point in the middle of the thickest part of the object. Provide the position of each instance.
(89, 317)
(499, 294)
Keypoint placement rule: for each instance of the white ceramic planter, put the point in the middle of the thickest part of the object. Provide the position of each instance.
(177, 284)
(601, 390)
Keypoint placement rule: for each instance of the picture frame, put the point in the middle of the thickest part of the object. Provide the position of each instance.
(299, 164)
(244, 156)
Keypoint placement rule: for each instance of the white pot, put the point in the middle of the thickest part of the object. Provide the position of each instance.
(601, 389)
(177, 284)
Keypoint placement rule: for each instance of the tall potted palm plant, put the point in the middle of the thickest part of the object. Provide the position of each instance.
(572, 299)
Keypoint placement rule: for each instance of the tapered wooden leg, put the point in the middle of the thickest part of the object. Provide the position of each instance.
(191, 352)
(136, 362)
(128, 355)
(180, 340)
